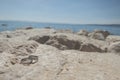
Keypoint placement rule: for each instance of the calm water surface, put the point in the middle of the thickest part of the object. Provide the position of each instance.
(12, 25)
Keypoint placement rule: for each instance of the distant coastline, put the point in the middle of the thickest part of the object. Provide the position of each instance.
(61, 23)
(103, 24)
(13, 25)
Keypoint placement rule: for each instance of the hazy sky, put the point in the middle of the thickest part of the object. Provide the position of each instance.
(62, 11)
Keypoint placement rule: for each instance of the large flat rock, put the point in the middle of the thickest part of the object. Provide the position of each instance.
(23, 56)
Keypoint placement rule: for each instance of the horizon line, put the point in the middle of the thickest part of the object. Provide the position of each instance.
(62, 22)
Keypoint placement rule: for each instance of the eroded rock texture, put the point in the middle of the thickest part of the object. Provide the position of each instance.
(45, 54)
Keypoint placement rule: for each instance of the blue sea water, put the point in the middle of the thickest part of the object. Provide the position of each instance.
(12, 25)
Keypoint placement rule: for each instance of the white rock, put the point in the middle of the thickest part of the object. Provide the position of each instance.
(52, 63)
(114, 47)
(83, 32)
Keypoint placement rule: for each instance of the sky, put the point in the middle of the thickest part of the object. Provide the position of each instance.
(62, 11)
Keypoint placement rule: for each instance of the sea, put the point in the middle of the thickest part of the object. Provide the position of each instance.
(13, 25)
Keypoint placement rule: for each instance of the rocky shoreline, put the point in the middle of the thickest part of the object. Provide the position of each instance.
(49, 54)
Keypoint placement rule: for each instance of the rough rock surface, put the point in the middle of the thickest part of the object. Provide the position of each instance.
(65, 42)
(62, 42)
(112, 39)
(99, 34)
(83, 32)
(89, 48)
(39, 39)
(25, 48)
(5, 45)
(29, 60)
(114, 47)
(65, 31)
(30, 55)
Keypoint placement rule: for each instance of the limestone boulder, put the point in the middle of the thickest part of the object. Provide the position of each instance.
(99, 34)
(104, 32)
(26, 48)
(40, 39)
(114, 47)
(27, 28)
(65, 31)
(113, 38)
(63, 56)
(87, 47)
(83, 32)
(62, 42)
(5, 46)
(48, 27)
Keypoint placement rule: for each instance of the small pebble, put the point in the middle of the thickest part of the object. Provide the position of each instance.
(29, 60)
